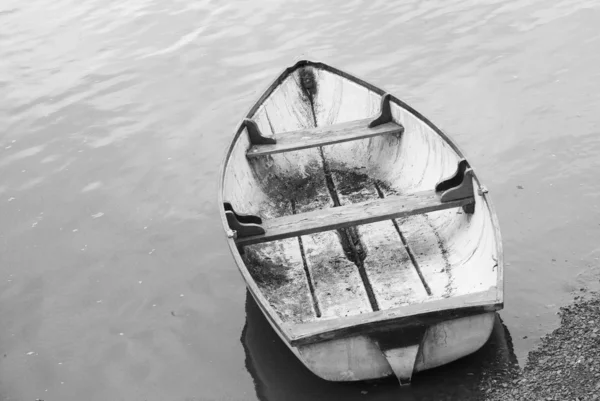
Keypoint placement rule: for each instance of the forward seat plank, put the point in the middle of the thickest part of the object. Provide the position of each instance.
(326, 135)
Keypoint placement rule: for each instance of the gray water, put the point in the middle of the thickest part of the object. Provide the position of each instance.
(115, 280)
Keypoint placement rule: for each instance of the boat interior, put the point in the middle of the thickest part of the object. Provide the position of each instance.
(335, 194)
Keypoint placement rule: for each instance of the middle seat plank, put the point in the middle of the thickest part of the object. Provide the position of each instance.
(370, 211)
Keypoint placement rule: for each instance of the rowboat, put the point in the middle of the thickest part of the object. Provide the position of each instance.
(360, 229)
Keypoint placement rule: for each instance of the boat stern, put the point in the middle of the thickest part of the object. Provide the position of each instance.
(400, 353)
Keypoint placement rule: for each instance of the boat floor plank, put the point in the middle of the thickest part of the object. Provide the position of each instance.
(427, 248)
(277, 267)
(278, 270)
(394, 278)
(326, 135)
(337, 283)
(429, 252)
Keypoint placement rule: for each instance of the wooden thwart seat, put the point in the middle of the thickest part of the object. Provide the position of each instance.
(326, 135)
(456, 191)
(351, 215)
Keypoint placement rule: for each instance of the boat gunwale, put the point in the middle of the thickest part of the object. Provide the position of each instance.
(323, 330)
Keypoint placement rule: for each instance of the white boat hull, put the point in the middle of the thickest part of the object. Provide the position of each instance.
(336, 204)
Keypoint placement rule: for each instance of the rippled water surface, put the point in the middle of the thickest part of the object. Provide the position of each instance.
(115, 280)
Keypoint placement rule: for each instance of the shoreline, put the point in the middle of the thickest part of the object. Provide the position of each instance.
(564, 366)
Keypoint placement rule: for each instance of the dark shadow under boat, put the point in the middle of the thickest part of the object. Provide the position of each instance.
(279, 375)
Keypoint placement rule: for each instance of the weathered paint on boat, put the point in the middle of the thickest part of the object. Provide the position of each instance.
(389, 297)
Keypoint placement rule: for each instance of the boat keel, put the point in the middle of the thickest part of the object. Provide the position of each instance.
(401, 349)
(402, 362)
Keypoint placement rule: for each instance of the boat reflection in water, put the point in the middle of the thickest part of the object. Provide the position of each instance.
(279, 375)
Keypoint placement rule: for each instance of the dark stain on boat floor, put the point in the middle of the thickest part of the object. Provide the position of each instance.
(349, 183)
(281, 187)
(352, 181)
(281, 281)
(265, 272)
